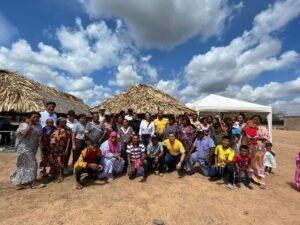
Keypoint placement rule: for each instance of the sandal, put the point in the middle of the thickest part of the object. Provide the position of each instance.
(79, 186)
(21, 187)
(38, 186)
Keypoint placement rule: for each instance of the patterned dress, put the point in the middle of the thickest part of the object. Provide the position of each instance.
(186, 136)
(58, 141)
(26, 148)
(46, 150)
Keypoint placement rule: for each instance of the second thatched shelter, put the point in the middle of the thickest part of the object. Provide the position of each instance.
(143, 98)
(20, 95)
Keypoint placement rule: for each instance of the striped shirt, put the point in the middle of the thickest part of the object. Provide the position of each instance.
(135, 152)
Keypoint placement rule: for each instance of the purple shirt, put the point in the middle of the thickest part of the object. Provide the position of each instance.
(203, 146)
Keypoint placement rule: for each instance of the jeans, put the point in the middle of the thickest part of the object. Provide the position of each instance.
(80, 145)
(219, 171)
(171, 161)
(203, 165)
(136, 172)
(238, 177)
(146, 139)
(80, 170)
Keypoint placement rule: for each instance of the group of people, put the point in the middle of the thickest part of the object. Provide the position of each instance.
(109, 145)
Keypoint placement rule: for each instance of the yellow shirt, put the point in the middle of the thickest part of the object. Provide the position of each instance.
(160, 125)
(224, 154)
(174, 149)
(82, 160)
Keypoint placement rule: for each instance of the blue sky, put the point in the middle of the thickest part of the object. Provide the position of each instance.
(94, 49)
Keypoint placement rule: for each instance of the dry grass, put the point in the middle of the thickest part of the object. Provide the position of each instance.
(143, 98)
(21, 95)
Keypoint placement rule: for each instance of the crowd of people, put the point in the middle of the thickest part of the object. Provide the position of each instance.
(237, 149)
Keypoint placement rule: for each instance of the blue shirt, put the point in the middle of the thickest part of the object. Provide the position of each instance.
(203, 146)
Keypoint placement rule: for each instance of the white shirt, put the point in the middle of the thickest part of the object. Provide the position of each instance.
(147, 128)
(101, 118)
(70, 124)
(128, 117)
(236, 125)
(46, 115)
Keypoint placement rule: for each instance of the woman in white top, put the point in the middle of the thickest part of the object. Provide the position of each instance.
(146, 129)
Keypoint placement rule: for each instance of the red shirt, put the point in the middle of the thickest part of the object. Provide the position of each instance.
(243, 163)
(91, 155)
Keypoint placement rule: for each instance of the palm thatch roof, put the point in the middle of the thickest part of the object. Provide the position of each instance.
(22, 95)
(143, 98)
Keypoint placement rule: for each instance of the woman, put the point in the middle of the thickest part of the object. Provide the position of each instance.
(259, 153)
(78, 139)
(186, 136)
(60, 140)
(204, 125)
(118, 123)
(125, 134)
(147, 129)
(27, 142)
(112, 160)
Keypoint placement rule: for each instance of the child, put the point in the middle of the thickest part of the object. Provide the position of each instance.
(297, 174)
(269, 158)
(45, 146)
(242, 164)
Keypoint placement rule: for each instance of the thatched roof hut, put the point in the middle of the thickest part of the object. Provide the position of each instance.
(143, 98)
(22, 95)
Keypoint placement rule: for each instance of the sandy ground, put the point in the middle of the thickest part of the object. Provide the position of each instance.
(189, 200)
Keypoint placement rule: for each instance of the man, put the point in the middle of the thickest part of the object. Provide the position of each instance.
(102, 114)
(136, 158)
(155, 156)
(175, 154)
(223, 162)
(48, 114)
(171, 128)
(88, 162)
(129, 115)
(94, 131)
(203, 146)
(135, 123)
(217, 134)
(78, 138)
(160, 124)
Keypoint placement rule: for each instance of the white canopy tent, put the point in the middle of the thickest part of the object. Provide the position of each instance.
(217, 103)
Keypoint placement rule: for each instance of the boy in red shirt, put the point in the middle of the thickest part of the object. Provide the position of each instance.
(242, 164)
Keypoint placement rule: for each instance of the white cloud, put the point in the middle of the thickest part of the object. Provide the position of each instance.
(246, 57)
(166, 23)
(170, 87)
(126, 76)
(8, 30)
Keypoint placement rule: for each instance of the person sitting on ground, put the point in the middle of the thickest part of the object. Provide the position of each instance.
(160, 124)
(242, 164)
(112, 160)
(269, 158)
(136, 158)
(203, 145)
(88, 162)
(223, 162)
(175, 154)
(155, 155)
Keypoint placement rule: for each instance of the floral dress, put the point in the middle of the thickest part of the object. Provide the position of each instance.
(46, 150)
(26, 148)
(186, 135)
(58, 141)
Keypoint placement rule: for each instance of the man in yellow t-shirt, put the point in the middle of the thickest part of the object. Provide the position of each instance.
(175, 154)
(223, 162)
(160, 124)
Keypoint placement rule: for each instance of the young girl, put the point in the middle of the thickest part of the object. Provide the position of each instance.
(269, 158)
(297, 174)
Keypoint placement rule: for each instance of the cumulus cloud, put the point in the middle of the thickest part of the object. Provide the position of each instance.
(246, 57)
(166, 23)
(170, 87)
(8, 30)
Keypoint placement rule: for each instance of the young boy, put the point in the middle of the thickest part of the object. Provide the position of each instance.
(136, 158)
(223, 162)
(269, 158)
(155, 153)
(242, 164)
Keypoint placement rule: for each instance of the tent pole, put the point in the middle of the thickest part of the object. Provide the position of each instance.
(269, 117)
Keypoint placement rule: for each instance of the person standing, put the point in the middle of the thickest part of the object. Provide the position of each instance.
(146, 129)
(204, 147)
(94, 131)
(129, 115)
(27, 142)
(160, 124)
(195, 121)
(71, 122)
(78, 139)
(171, 128)
(48, 114)
(175, 154)
(102, 114)
(135, 123)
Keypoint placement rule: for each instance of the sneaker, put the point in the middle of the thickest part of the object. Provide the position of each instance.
(161, 174)
(229, 186)
(249, 186)
(156, 172)
(238, 185)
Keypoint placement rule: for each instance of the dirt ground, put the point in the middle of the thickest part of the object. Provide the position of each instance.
(186, 201)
